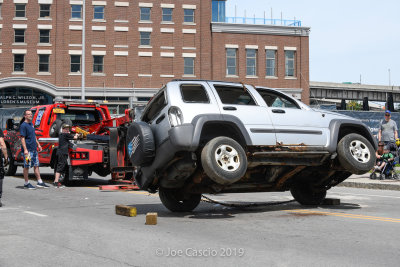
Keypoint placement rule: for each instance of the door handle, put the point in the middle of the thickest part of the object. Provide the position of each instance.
(160, 119)
(278, 111)
(229, 108)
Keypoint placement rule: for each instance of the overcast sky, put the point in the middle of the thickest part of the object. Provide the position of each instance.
(347, 39)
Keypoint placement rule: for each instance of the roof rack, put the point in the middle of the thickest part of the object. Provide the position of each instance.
(72, 102)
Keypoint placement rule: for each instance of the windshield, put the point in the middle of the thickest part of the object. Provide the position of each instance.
(80, 117)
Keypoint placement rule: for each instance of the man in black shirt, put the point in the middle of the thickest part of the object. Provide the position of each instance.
(62, 152)
(3, 154)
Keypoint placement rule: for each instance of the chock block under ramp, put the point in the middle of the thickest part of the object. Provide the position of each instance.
(151, 218)
(331, 201)
(125, 210)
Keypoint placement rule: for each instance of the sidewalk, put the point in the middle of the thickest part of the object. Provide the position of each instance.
(363, 181)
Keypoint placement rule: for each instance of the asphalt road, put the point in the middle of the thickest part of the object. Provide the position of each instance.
(77, 226)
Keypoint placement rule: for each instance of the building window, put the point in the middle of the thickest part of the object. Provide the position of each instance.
(188, 15)
(98, 12)
(0, 10)
(44, 36)
(188, 66)
(145, 13)
(76, 11)
(44, 61)
(167, 14)
(231, 58)
(19, 62)
(98, 64)
(44, 11)
(145, 38)
(270, 63)
(20, 10)
(290, 63)
(75, 63)
(218, 11)
(251, 62)
(19, 35)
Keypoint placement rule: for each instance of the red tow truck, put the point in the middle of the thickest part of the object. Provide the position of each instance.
(102, 150)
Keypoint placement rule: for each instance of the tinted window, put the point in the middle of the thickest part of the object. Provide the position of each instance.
(234, 95)
(80, 117)
(156, 105)
(276, 100)
(194, 93)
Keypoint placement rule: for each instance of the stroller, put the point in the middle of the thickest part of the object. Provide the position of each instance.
(388, 171)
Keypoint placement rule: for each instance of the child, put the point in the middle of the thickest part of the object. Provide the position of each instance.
(385, 158)
(62, 152)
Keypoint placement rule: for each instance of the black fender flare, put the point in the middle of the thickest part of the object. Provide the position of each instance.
(336, 124)
(199, 121)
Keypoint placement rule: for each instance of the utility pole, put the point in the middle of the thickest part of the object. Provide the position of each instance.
(83, 47)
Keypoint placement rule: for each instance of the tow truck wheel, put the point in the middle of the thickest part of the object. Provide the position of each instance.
(175, 200)
(11, 168)
(305, 194)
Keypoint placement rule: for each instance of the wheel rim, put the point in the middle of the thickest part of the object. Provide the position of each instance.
(227, 158)
(360, 151)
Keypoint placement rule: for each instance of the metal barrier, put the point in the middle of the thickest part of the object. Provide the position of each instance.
(265, 21)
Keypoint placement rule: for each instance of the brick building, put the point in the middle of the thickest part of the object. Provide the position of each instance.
(131, 48)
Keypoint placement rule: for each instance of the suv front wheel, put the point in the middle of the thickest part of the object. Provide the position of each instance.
(224, 160)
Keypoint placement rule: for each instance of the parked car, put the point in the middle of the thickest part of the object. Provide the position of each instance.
(200, 137)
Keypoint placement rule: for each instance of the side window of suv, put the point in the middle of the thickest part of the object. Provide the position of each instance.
(234, 95)
(156, 105)
(194, 93)
(275, 100)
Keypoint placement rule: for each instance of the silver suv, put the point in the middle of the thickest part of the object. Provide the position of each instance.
(200, 136)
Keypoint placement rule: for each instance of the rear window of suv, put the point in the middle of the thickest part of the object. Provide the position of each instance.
(234, 95)
(194, 93)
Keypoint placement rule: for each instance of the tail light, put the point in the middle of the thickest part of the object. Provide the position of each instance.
(175, 116)
(79, 155)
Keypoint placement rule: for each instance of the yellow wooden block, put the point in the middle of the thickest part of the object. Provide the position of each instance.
(151, 218)
(125, 210)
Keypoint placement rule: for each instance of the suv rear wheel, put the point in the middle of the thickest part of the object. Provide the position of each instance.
(224, 160)
(305, 194)
(177, 201)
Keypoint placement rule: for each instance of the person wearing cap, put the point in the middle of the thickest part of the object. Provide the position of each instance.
(62, 152)
(388, 131)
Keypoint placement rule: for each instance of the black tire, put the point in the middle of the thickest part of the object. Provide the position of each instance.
(140, 144)
(356, 154)
(55, 128)
(306, 195)
(11, 168)
(176, 201)
(224, 160)
(372, 176)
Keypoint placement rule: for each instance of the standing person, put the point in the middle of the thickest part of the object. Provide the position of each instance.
(62, 152)
(388, 131)
(30, 146)
(3, 153)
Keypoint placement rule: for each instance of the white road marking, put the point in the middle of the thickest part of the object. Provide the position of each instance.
(35, 213)
(366, 195)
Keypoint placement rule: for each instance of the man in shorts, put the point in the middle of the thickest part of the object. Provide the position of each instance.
(30, 147)
(388, 132)
(62, 153)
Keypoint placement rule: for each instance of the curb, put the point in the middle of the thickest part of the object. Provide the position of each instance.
(371, 186)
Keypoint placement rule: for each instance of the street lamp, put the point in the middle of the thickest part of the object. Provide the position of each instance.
(83, 47)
